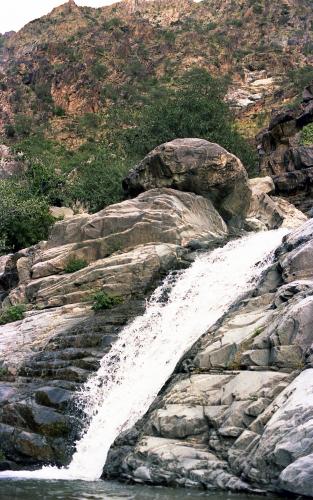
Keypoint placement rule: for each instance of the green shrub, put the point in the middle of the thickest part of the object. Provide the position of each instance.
(194, 108)
(74, 265)
(102, 300)
(23, 125)
(99, 70)
(25, 219)
(306, 137)
(301, 77)
(9, 130)
(58, 111)
(12, 313)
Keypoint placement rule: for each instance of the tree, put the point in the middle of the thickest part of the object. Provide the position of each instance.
(193, 108)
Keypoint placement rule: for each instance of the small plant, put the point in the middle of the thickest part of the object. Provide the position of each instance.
(306, 136)
(12, 313)
(102, 300)
(74, 265)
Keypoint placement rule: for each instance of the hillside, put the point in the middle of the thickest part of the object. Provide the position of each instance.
(78, 60)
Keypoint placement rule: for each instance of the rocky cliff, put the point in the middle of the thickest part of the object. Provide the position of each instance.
(224, 419)
(286, 151)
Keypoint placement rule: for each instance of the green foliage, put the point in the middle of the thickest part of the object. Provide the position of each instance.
(308, 49)
(99, 70)
(306, 136)
(74, 265)
(211, 26)
(102, 301)
(43, 92)
(12, 313)
(98, 181)
(25, 218)
(89, 121)
(22, 125)
(111, 24)
(194, 108)
(135, 68)
(58, 111)
(2, 456)
(301, 77)
(9, 130)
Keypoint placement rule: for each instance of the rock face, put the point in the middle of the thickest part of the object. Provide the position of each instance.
(197, 166)
(282, 155)
(237, 414)
(146, 235)
(269, 212)
(124, 249)
(214, 423)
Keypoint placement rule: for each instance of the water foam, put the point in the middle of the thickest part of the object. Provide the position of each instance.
(147, 350)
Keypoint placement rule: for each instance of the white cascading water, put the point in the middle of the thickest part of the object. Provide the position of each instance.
(147, 350)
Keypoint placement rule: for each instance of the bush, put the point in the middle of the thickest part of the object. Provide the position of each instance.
(58, 111)
(99, 70)
(306, 136)
(301, 77)
(12, 313)
(25, 219)
(102, 300)
(194, 108)
(74, 265)
(98, 179)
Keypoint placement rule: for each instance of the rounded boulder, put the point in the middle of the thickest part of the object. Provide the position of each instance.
(197, 166)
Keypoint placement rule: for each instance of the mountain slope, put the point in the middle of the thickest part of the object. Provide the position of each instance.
(79, 60)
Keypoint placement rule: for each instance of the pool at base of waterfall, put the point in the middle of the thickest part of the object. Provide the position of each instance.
(11, 489)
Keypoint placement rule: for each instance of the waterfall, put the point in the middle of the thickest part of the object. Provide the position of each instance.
(147, 351)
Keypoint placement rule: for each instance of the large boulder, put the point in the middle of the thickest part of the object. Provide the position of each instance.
(197, 166)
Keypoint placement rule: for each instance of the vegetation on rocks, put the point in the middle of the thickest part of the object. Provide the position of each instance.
(307, 135)
(12, 313)
(74, 265)
(25, 217)
(102, 301)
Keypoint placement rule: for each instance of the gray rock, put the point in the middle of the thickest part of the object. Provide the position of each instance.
(197, 166)
(298, 476)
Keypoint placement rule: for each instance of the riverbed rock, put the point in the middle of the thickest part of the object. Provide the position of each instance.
(242, 394)
(197, 166)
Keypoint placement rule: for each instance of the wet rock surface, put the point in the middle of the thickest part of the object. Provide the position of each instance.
(126, 250)
(214, 422)
(237, 413)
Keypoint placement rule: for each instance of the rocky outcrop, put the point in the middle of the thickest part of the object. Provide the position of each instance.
(270, 212)
(123, 250)
(282, 155)
(146, 236)
(237, 413)
(197, 166)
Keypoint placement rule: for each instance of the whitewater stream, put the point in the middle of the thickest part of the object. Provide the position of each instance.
(147, 351)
